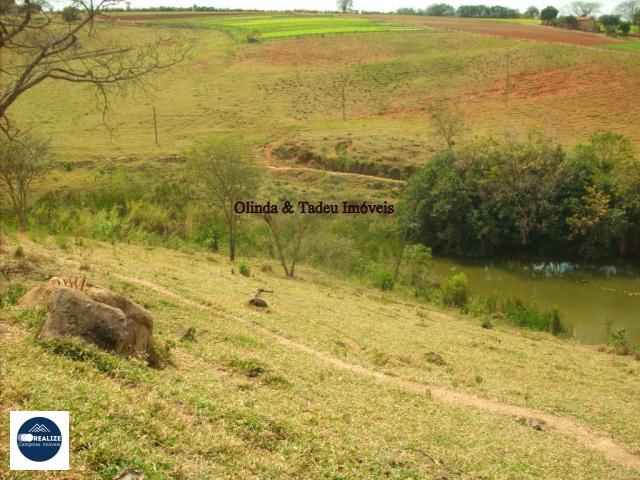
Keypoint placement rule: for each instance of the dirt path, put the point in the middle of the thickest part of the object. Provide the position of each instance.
(338, 174)
(271, 165)
(612, 450)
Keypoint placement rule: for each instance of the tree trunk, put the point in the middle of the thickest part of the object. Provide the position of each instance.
(232, 238)
(403, 244)
(276, 240)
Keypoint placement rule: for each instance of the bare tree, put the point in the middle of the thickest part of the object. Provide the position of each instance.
(23, 159)
(345, 5)
(227, 174)
(448, 123)
(627, 10)
(36, 46)
(288, 232)
(581, 8)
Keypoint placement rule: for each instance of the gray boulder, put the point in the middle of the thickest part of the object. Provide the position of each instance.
(108, 320)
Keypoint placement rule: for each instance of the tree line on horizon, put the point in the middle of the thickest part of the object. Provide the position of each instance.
(624, 15)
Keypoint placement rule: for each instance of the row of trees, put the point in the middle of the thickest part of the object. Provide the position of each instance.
(468, 11)
(627, 12)
(532, 197)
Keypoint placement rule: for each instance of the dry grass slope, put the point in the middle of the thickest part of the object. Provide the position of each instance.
(332, 381)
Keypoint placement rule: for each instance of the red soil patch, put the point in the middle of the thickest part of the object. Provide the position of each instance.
(508, 30)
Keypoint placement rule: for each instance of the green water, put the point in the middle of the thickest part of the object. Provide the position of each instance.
(588, 297)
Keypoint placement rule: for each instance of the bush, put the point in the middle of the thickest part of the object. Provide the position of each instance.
(383, 279)
(162, 355)
(610, 23)
(253, 36)
(534, 318)
(455, 291)
(244, 268)
(486, 324)
(11, 296)
(625, 28)
(618, 340)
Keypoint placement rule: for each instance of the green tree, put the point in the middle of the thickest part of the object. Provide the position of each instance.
(548, 14)
(70, 14)
(625, 28)
(532, 12)
(23, 160)
(345, 5)
(440, 10)
(226, 173)
(610, 23)
(595, 224)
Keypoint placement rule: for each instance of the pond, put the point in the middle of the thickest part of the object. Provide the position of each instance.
(593, 299)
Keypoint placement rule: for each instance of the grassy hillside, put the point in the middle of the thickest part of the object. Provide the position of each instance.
(333, 381)
(290, 89)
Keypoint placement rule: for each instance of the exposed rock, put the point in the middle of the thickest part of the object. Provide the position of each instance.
(140, 323)
(104, 318)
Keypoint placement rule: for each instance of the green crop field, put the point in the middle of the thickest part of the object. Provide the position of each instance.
(283, 26)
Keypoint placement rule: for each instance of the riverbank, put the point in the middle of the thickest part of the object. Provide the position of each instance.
(593, 300)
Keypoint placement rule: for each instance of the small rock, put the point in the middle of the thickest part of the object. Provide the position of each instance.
(531, 423)
(258, 303)
(130, 474)
(433, 357)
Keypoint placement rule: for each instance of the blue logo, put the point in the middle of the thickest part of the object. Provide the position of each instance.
(39, 439)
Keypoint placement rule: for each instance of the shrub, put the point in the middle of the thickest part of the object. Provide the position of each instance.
(11, 296)
(486, 323)
(162, 355)
(533, 317)
(33, 318)
(618, 340)
(610, 22)
(244, 268)
(253, 36)
(625, 28)
(383, 279)
(455, 291)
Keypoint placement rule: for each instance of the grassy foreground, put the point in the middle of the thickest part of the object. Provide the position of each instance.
(267, 395)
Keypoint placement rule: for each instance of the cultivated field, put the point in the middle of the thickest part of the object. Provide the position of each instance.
(291, 90)
(283, 26)
(510, 29)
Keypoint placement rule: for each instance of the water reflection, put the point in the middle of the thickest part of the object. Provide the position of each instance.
(592, 298)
